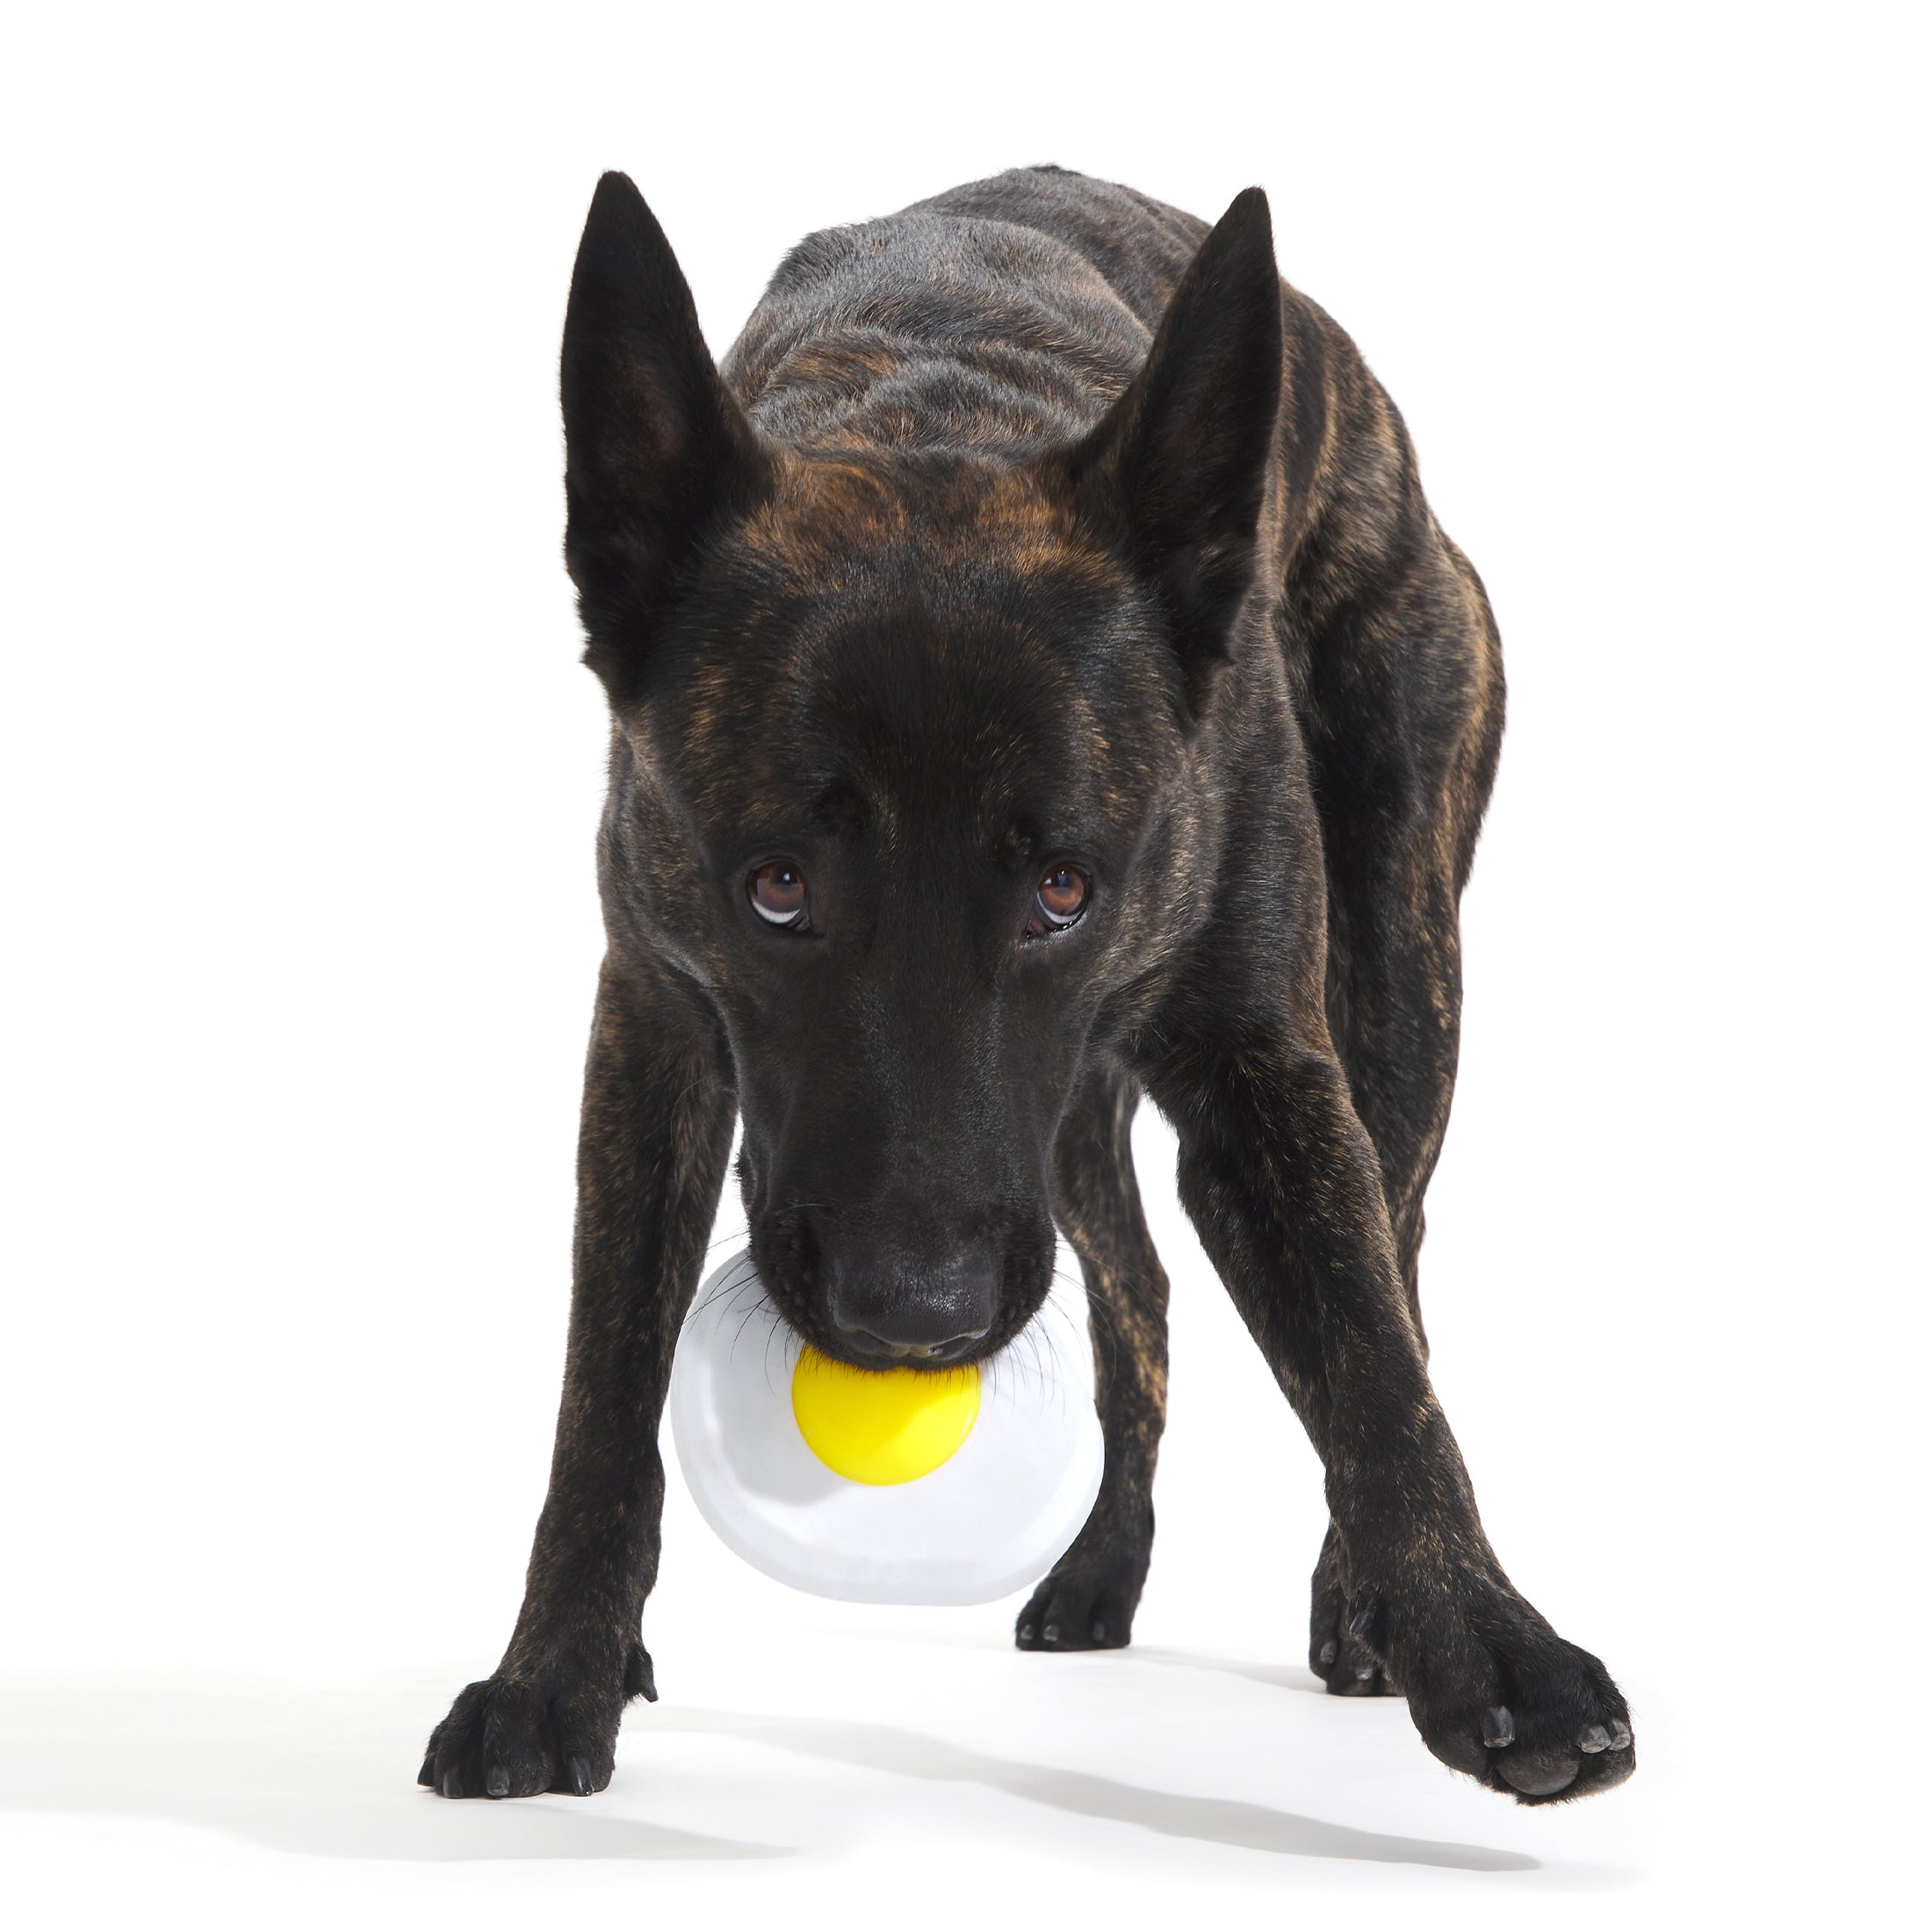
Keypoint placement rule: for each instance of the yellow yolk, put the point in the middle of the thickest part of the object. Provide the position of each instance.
(881, 1425)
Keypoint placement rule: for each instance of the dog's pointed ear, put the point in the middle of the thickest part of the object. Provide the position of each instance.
(658, 452)
(1177, 470)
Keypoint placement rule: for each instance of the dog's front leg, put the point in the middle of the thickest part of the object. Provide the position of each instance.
(656, 1132)
(1281, 1180)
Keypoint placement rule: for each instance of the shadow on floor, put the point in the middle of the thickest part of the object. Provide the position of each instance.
(292, 1769)
(1173, 1814)
(328, 1775)
(1277, 1676)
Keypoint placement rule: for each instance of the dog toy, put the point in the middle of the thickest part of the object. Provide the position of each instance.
(892, 1486)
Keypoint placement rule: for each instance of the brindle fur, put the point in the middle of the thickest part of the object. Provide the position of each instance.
(1034, 523)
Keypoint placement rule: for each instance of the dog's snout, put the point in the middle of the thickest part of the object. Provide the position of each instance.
(897, 1304)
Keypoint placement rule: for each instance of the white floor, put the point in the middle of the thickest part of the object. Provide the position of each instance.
(854, 1768)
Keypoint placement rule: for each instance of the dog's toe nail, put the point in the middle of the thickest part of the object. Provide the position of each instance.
(497, 1784)
(1498, 1728)
(451, 1785)
(1330, 1651)
(1052, 1633)
(1363, 1672)
(1593, 1739)
(428, 1773)
(1100, 1630)
(580, 1780)
(1026, 1633)
(1619, 1734)
(641, 1678)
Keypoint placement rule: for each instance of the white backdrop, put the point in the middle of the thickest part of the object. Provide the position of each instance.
(300, 776)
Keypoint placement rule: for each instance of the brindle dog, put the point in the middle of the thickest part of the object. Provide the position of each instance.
(1037, 678)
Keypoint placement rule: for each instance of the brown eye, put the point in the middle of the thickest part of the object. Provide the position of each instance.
(1060, 900)
(778, 892)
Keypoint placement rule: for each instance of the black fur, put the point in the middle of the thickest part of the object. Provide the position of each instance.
(1036, 540)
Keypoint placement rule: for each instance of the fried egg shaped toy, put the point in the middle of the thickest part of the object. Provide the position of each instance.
(892, 1486)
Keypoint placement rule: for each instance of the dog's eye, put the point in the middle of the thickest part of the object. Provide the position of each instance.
(778, 894)
(1060, 900)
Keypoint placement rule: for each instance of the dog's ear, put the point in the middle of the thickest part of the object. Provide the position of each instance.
(657, 451)
(1177, 469)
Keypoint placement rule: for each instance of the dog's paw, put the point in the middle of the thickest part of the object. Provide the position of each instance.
(506, 1737)
(1507, 1700)
(1337, 1653)
(1089, 1598)
(1078, 1611)
(1081, 1606)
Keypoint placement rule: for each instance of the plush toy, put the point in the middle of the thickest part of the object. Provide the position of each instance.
(893, 1486)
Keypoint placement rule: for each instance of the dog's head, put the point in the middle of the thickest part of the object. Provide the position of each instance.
(906, 766)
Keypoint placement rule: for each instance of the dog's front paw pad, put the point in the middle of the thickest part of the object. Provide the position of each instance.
(503, 1739)
(1542, 1774)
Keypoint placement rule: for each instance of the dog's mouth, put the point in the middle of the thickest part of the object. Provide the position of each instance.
(880, 1353)
(788, 1270)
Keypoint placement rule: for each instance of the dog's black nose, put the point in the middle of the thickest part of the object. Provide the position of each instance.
(896, 1306)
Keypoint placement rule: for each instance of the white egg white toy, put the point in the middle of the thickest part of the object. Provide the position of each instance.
(899, 1486)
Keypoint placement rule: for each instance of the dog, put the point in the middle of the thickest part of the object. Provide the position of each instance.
(1037, 680)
